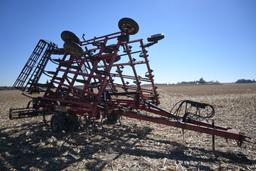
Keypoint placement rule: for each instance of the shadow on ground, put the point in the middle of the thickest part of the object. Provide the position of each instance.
(29, 146)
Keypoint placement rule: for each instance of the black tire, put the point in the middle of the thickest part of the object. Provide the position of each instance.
(58, 123)
(72, 122)
(113, 118)
(64, 122)
(128, 26)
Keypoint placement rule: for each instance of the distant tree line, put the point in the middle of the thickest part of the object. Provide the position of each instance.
(200, 81)
(6, 88)
(245, 81)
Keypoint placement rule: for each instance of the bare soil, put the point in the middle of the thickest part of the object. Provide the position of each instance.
(28, 144)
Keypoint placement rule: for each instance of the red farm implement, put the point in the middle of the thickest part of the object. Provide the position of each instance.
(104, 78)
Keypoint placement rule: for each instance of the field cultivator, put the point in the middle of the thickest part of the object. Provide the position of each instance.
(103, 78)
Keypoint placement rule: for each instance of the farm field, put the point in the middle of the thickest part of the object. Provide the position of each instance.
(28, 144)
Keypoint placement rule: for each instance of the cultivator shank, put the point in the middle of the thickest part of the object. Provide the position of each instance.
(106, 77)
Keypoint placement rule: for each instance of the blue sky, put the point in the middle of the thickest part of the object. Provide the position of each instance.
(213, 39)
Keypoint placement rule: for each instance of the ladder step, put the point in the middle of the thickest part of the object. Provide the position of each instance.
(37, 53)
(81, 80)
(74, 67)
(58, 78)
(50, 72)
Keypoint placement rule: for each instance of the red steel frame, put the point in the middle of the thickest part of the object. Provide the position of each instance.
(98, 70)
(86, 85)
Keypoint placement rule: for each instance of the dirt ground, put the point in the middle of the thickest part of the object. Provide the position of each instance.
(28, 144)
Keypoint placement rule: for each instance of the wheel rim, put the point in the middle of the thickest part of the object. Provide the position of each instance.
(128, 25)
(68, 36)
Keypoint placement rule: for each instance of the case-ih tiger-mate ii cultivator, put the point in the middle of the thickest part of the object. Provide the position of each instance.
(100, 78)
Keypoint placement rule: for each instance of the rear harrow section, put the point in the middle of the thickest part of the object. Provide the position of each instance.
(34, 108)
(31, 72)
(104, 78)
(19, 113)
